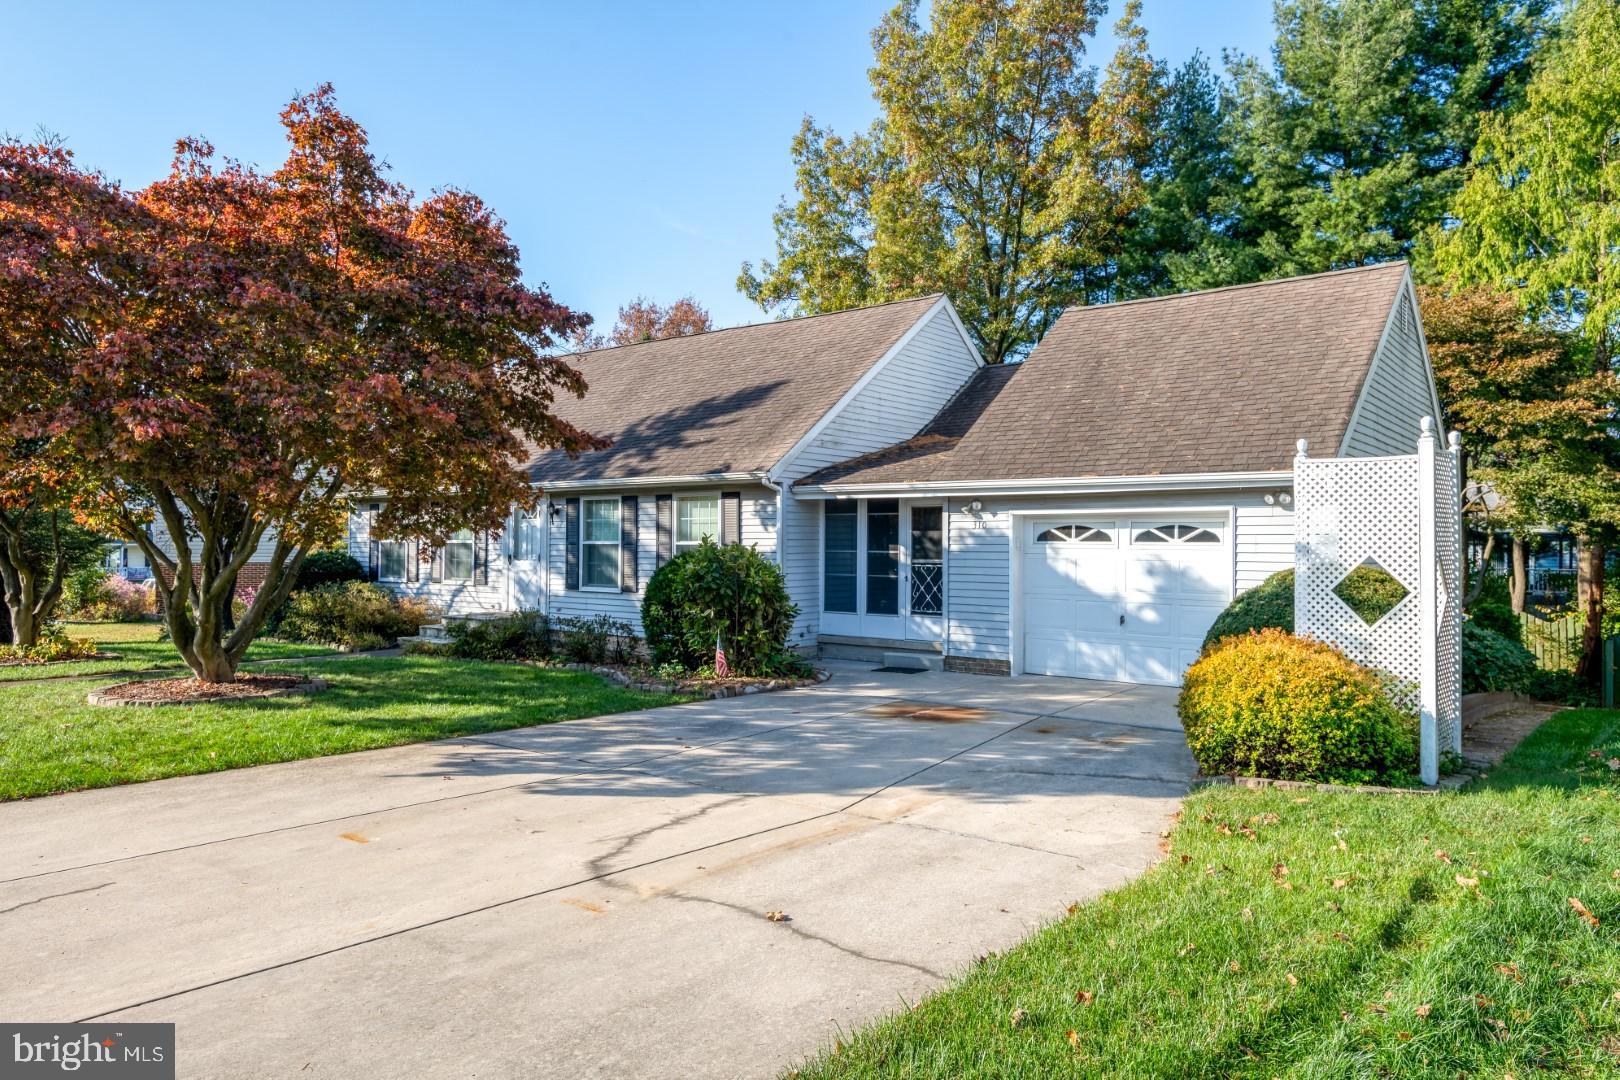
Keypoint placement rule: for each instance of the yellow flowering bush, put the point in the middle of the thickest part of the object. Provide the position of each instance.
(1274, 705)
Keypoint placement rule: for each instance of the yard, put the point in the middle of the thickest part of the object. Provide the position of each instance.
(53, 741)
(138, 648)
(1311, 934)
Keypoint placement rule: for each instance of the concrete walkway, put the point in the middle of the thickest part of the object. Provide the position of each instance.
(589, 898)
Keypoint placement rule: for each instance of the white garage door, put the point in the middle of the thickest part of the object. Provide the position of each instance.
(1121, 598)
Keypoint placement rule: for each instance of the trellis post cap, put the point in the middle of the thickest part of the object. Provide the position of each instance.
(1454, 440)
(1302, 446)
(1426, 425)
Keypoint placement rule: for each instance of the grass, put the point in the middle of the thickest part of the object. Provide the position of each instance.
(52, 741)
(1319, 935)
(139, 649)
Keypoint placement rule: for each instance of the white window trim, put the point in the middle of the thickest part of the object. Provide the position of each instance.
(404, 562)
(618, 544)
(444, 560)
(675, 519)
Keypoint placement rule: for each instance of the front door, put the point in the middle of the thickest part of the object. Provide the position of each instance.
(527, 563)
(925, 571)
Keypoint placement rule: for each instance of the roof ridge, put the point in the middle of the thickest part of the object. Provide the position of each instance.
(1387, 264)
(753, 326)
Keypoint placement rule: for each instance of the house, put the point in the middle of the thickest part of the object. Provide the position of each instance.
(1087, 512)
(128, 559)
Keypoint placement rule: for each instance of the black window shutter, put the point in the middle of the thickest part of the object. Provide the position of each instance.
(665, 507)
(731, 517)
(629, 535)
(374, 557)
(481, 558)
(413, 561)
(571, 540)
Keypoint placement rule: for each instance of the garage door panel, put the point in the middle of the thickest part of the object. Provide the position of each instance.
(1071, 655)
(1150, 663)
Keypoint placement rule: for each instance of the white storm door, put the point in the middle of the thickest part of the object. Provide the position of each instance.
(923, 527)
(526, 560)
(1072, 604)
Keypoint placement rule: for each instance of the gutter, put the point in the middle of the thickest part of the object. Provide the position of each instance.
(776, 486)
(642, 482)
(1083, 485)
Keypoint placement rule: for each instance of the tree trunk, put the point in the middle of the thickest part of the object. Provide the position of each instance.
(1589, 589)
(24, 627)
(1519, 582)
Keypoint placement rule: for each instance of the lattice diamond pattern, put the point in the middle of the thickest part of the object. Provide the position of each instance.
(927, 588)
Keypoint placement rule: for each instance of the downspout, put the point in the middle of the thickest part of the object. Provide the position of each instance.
(765, 478)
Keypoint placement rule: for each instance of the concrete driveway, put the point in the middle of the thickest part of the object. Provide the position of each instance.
(589, 898)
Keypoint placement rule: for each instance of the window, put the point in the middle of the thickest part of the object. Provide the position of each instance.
(527, 535)
(883, 557)
(1177, 534)
(458, 556)
(839, 566)
(599, 544)
(696, 518)
(391, 556)
(1083, 533)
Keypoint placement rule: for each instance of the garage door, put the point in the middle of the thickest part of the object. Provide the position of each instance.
(1121, 598)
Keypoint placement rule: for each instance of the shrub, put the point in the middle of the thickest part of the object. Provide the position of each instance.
(1493, 662)
(1270, 704)
(523, 635)
(53, 645)
(1269, 605)
(731, 592)
(1493, 608)
(93, 595)
(598, 640)
(331, 566)
(82, 588)
(352, 615)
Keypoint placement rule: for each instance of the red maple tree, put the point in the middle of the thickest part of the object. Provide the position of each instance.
(268, 347)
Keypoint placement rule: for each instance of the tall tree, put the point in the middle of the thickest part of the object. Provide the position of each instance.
(1001, 171)
(1540, 215)
(282, 343)
(1351, 144)
(646, 320)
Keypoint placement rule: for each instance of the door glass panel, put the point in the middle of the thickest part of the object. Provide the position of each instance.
(927, 561)
(841, 557)
(883, 557)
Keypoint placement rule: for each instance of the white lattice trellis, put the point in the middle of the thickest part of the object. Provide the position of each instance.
(1403, 513)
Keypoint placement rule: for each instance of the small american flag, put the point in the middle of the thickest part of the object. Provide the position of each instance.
(721, 668)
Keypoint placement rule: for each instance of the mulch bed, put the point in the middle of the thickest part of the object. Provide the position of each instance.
(12, 662)
(192, 691)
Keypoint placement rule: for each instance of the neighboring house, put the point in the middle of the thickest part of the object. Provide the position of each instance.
(129, 560)
(1087, 512)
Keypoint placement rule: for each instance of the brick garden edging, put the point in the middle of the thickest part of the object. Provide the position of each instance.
(672, 686)
(103, 696)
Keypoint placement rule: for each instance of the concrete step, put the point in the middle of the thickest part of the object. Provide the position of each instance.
(921, 657)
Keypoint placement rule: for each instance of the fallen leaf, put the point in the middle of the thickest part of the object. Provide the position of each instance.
(1292, 981)
(1424, 1010)
(777, 916)
(1581, 910)
(1187, 948)
(1279, 871)
(1305, 799)
(1339, 882)
(1074, 1039)
(1586, 839)
(1072, 908)
(1613, 764)
(1248, 914)
(1377, 1008)
(1019, 1016)
(1232, 966)
(1404, 1036)
(1483, 1002)
(1083, 997)
(1185, 859)
(1511, 971)
(1468, 882)
(1224, 829)
(1442, 856)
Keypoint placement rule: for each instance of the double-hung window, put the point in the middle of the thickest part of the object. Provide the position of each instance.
(458, 556)
(599, 543)
(391, 556)
(697, 518)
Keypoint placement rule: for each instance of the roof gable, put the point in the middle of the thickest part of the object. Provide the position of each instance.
(727, 401)
(1218, 381)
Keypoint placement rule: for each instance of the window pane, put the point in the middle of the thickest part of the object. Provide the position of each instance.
(883, 557)
(841, 557)
(695, 519)
(458, 561)
(602, 519)
(526, 536)
(391, 565)
(602, 565)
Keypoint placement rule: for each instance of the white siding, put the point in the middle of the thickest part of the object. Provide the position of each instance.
(978, 577)
(452, 598)
(160, 536)
(1398, 392)
(898, 402)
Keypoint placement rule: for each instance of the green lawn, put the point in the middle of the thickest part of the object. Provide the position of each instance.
(139, 649)
(1335, 941)
(51, 740)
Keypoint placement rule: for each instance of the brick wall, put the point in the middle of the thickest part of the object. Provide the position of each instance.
(972, 665)
(250, 576)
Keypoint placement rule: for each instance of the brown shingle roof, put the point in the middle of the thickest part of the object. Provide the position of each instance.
(728, 401)
(1218, 381)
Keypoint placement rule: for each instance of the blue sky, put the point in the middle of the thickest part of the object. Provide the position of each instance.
(632, 148)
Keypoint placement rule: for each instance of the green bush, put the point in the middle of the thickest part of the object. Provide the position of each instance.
(331, 566)
(1270, 704)
(1493, 608)
(1494, 662)
(728, 592)
(598, 640)
(1269, 605)
(53, 646)
(352, 615)
(522, 635)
